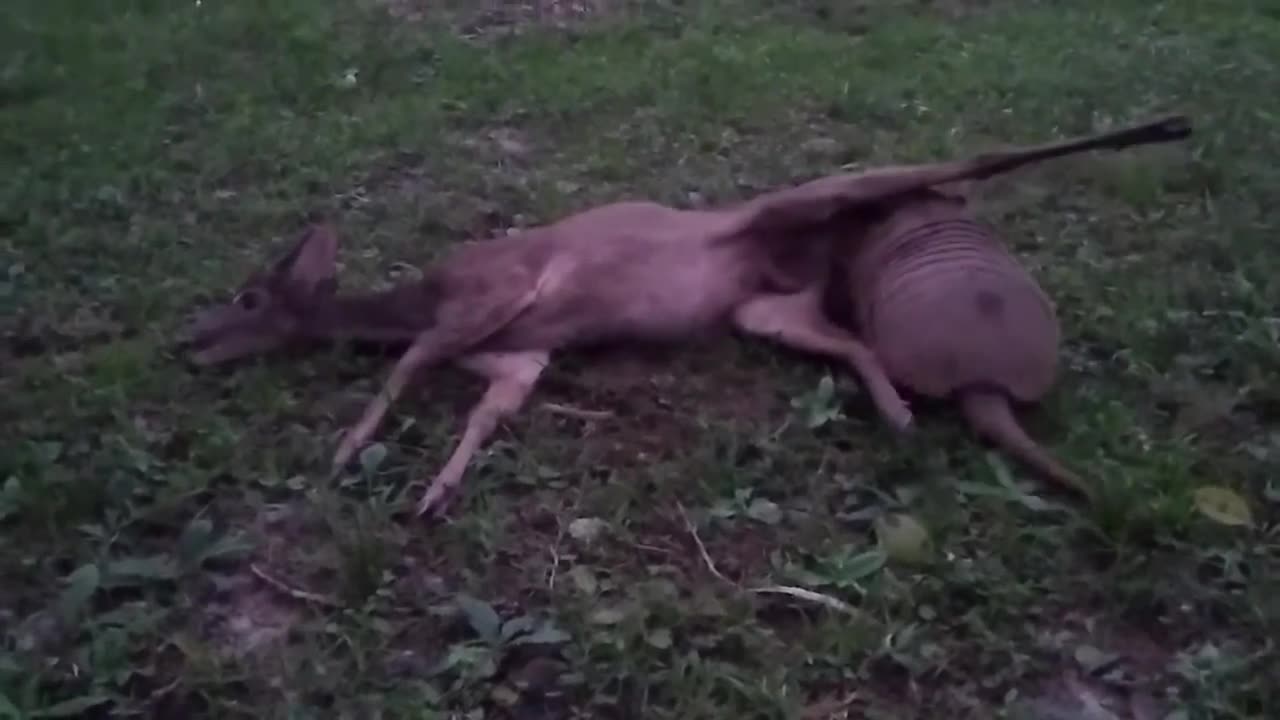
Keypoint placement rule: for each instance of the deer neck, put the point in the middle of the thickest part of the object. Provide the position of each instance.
(397, 314)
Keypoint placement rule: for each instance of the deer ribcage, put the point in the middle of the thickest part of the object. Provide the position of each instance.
(946, 306)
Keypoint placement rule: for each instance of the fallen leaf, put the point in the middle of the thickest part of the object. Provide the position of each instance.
(1091, 658)
(584, 579)
(660, 638)
(481, 616)
(903, 538)
(766, 511)
(504, 696)
(1223, 505)
(586, 529)
(372, 456)
(608, 616)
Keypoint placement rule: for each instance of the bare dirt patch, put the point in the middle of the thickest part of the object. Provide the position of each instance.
(246, 618)
(658, 400)
(1108, 669)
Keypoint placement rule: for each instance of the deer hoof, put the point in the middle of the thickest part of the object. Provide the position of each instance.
(434, 502)
(346, 451)
(901, 420)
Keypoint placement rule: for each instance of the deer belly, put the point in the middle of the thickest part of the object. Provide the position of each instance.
(665, 295)
(679, 299)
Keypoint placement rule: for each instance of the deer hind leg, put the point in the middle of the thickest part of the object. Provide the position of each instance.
(796, 320)
(511, 379)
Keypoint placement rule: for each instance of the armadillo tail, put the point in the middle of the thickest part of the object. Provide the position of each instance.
(989, 414)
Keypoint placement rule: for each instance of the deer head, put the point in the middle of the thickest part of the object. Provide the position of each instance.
(272, 307)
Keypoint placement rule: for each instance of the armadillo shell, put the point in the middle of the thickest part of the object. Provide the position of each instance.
(946, 306)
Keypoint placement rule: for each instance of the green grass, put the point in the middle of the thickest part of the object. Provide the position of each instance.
(154, 152)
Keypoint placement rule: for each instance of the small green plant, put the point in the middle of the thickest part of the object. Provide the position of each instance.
(477, 660)
(821, 405)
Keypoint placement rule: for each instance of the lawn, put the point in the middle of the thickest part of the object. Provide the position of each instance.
(170, 545)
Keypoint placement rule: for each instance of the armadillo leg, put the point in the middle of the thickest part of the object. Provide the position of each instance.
(511, 379)
(797, 321)
(989, 414)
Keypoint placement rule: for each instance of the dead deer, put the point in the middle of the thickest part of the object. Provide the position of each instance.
(629, 271)
(950, 312)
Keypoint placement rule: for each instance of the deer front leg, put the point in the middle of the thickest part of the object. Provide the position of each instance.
(423, 351)
(511, 379)
(797, 321)
(463, 322)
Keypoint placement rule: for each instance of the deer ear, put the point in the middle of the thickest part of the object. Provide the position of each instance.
(311, 264)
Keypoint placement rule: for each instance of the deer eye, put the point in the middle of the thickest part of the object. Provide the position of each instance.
(249, 300)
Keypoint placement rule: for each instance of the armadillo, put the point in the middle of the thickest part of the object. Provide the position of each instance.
(951, 313)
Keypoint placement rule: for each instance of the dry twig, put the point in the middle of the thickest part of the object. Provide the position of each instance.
(295, 593)
(579, 413)
(795, 592)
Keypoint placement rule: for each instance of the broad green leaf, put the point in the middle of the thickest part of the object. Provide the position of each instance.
(469, 660)
(195, 537)
(197, 545)
(1223, 505)
(826, 389)
(131, 571)
(457, 655)
(1000, 469)
(481, 616)
(9, 711)
(861, 566)
(82, 583)
(10, 497)
(1272, 491)
(71, 708)
(548, 634)
(517, 626)
(903, 538)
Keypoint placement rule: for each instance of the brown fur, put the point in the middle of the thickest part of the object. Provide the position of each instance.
(634, 271)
